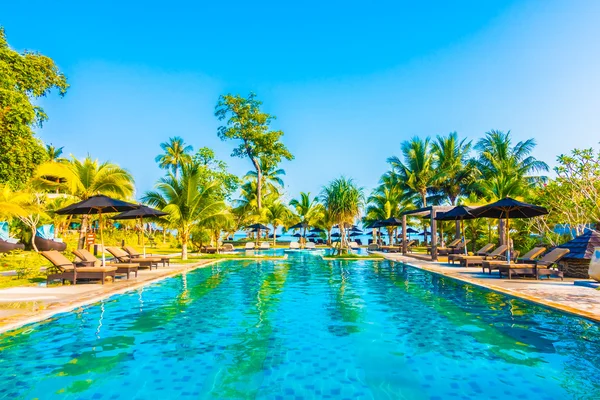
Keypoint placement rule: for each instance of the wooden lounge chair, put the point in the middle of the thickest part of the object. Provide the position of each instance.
(467, 261)
(450, 245)
(166, 259)
(458, 249)
(209, 250)
(310, 246)
(122, 256)
(528, 258)
(64, 269)
(542, 267)
(88, 259)
(373, 247)
(228, 248)
(410, 245)
(484, 251)
(250, 246)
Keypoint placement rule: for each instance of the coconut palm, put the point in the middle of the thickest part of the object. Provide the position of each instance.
(343, 199)
(454, 171)
(308, 210)
(271, 178)
(54, 153)
(86, 177)
(176, 154)
(11, 203)
(415, 172)
(187, 202)
(277, 214)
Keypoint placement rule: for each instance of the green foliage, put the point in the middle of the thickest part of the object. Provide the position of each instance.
(248, 124)
(23, 78)
(175, 154)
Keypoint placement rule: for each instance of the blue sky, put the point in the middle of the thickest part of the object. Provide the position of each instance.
(348, 81)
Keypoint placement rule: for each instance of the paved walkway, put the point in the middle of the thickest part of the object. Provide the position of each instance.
(26, 304)
(563, 295)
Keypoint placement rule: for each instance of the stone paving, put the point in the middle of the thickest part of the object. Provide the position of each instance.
(26, 304)
(562, 295)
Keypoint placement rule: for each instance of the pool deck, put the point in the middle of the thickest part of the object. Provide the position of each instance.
(28, 304)
(562, 295)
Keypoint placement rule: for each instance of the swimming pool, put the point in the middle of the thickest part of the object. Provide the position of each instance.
(305, 328)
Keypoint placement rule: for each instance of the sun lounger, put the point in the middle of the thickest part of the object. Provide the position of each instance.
(542, 267)
(353, 245)
(209, 250)
(64, 269)
(528, 257)
(250, 246)
(265, 246)
(88, 259)
(8, 243)
(122, 256)
(166, 259)
(391, 249)
(468, 261)
(484, 251)
(450, 245)
(310, 246)
(458, 249)
(228, 248)
(373, 247)
(294, 245)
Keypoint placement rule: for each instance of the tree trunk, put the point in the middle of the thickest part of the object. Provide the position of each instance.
(184, 242)
(342, 237)
(424, 197)
(501, 233)
(33, 246)
(82, 232)
(258, 183)
(274, 235)
(329, 237)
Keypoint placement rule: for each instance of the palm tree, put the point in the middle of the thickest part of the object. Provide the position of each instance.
(416, 172)
(454, 171)
(187, 202)
(271, 180)
(84, 178)
(11, 203)
(176, 154)
(308, 210)
(277, 215)
(54, 153)
(506, 170)
(343, 200)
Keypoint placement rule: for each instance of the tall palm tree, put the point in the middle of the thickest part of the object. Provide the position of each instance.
(454, 171)
(272, 183)
(277, 214)
(54, 153)
(187, 202)
(416, 171)
(308, 209)
(506, 170)
(84, 178)
(343, 199)
(176, 153)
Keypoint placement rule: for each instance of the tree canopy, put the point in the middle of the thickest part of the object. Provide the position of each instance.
(23, 78)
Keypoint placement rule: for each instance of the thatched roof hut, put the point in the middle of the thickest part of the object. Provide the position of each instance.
(577, 262)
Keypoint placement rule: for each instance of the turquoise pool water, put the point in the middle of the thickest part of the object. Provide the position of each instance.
(304, 328)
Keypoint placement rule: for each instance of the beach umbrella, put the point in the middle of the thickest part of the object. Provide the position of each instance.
(300, 225)
(317, 230)
(141, 212)
(392, 221)
(99, 204)
(355, 234)
(258, 226)
(335, 234)
(458, 213)
(508, 208)
(411, 230)
(355, 230)
(297, 235)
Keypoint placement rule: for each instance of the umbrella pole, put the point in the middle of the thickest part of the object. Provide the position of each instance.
(101, 239)
(507, 237)
(143, 241)
(462, 228)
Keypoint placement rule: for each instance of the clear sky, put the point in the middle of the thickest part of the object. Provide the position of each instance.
(348, 81)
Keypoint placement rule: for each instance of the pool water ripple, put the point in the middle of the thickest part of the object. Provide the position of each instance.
(305, 328)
